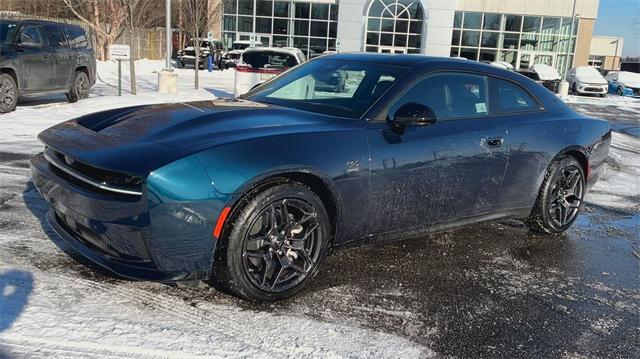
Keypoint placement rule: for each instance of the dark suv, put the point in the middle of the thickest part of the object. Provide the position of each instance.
(41, 57)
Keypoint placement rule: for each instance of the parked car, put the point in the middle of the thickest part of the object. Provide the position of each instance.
(43, 57)
(630, 66)
(251, 194)
(231, 58)
(586, 80)
(259, 64)
(187, 56)
(623, 83)
(242, 45)
(545, 75)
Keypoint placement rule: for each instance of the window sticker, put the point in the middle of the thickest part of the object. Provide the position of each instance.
(481, 107)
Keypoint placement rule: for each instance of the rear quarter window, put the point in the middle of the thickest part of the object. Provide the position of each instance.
(511, 97)
(77, 37)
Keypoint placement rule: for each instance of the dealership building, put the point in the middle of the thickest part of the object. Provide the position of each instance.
(521, 32)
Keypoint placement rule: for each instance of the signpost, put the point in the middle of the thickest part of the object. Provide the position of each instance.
(119, 53)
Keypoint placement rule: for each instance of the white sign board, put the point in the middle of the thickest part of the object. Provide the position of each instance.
(252, 40)
(338, 45)
(119, 52)
(210, 36)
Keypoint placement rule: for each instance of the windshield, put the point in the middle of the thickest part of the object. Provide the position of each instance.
(7, 32)
(269, 59)
(331, 87)
(587, 71)
(239, 46)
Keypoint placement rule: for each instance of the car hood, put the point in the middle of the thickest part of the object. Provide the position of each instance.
(141, 139)
(592, 80)
(632, 84)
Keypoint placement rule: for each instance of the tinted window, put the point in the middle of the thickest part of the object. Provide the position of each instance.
(77, 38)
(338, 88)
(55, 35)
(449, 95)
(31, 35)
(512, 97)
(269, 59)
(7, 33)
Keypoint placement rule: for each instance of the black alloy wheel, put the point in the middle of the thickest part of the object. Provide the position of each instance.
(8, 93)
(80, 88)
(560, 197)
(273, 244)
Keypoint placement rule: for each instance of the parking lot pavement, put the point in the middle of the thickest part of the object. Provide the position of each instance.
(490, 290)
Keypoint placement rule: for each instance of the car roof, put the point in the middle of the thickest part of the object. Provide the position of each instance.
(36, 22)
(390, 59)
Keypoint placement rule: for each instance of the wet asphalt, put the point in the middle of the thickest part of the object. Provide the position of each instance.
(491, 290)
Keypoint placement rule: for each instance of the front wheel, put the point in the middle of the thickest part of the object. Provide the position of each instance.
(8, 93)
(620, 92)
(274, 245)
(559, 198)
(79, 88)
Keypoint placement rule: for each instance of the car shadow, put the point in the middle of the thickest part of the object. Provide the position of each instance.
(218, 93)
(39, 208)
(42, 101)
(15, 289)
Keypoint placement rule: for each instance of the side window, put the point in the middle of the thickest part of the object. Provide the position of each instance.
(55, 35)
(77, 37)
(31, 36)
(510, 97)
(449, 95)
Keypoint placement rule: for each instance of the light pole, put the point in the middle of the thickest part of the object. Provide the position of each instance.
(167, 78)
(168, 34)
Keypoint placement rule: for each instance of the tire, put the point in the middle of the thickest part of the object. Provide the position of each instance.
(80, 87)
(603, 95)
(256, 260)
(560, 197)
(8, 93)
(574, 89)
(620, 92)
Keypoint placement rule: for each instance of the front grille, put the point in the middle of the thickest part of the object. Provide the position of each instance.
(593, 89)
(93, 178)
(188, 53)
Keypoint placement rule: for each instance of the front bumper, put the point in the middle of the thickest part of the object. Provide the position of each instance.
(592, 89)
(116, 232)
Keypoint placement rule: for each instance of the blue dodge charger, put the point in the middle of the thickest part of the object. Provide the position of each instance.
(251, 194)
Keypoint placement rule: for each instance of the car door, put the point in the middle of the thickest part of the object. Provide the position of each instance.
(63, 60)
(35, 59)
(451, 169)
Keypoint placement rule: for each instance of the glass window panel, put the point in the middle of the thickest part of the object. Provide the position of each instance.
(301, 10)
(334, 12)
(531, 24)
(386, 39)
(319, 28)
(529, 41)
(457, 20)
(372, 38)
(470, 38)
(415, 11)
(469, 54)
(301, 27)
(415, 27)
(551, 25)
(387, 25)
(455, 38)
(280, 41)
(402, 25)
(472, 20)
(332, 44)
(230, 6)
(373, 24)
(281, 9)
(489, 39)
(301, 43)
(512, 98)
(488, 55)
(388, 12)
(229, 23)
(318, 46)
(400, 40)
(281, 26)
(245, 24)
(492, 22)
(376, 9)
(414, 41)
(565, 29)
(509, 56)
(263, 25)
(264, 8)
(245, 7)
(413, 51)
(454, 52)
(548, 43)
(333, 29)
(576, 22)
(372, 49)
(320, 11)
(510, 41)
(512, 23)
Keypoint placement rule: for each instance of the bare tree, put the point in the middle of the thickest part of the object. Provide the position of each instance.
(199, 17)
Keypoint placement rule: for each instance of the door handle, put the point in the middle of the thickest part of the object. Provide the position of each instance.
(492, 142)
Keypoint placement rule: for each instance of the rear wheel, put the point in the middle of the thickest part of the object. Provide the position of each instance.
(79, 88)
(620, 92)
(274, 245)
(8, 93)
(560, 197)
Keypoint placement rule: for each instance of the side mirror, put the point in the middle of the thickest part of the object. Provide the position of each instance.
(414, 114)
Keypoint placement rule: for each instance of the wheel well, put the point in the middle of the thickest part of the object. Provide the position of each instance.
(12, 74)
(85, 70)
(581, 158)
(315, 183)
